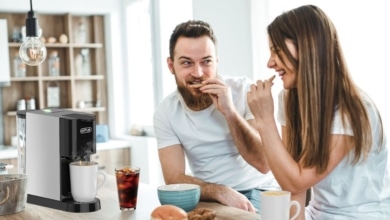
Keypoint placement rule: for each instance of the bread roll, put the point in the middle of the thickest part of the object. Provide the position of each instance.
(168, 212)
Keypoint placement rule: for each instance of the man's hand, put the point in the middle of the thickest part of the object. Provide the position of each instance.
(221, 95)
(231, 197)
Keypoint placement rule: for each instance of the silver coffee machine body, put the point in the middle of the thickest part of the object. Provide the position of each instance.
(53, 139)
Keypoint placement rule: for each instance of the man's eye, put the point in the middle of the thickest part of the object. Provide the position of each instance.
(186, 63)
(207, 61)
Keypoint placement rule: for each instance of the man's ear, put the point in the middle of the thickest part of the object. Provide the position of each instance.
(170, 64)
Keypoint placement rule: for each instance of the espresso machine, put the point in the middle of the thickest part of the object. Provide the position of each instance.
(49, 140)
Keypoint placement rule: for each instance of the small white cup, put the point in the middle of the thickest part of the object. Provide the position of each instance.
(275, 205)
(84, 180)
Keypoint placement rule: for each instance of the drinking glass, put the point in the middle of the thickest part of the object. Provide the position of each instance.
(127, 179)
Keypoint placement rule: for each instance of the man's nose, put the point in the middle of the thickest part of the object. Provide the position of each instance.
(197, 71)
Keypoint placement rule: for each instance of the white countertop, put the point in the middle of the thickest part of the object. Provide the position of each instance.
(8, 152)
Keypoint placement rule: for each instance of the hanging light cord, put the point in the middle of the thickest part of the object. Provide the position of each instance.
(31, 22)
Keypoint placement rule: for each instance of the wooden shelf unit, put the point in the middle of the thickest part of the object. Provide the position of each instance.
(74, 87)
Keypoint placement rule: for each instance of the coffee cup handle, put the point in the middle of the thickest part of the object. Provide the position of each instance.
(103, 174)
(297, 211)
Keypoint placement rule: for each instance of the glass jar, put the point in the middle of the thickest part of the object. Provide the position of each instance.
(19, 66)
(53, 94)
(54, 64)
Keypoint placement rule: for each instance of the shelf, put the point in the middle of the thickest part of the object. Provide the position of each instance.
(59, 45)
(56, 78)
(90, 45)
(23, 79)
(82, 67)
(90, 77)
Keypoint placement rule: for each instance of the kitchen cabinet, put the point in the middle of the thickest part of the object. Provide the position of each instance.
(110, 159)
(82, 67)
(144, 154)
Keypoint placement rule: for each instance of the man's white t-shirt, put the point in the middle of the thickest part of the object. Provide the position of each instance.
(206, 139)
(360, 191)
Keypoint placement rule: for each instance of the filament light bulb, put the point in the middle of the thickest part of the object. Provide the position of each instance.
(33, 52)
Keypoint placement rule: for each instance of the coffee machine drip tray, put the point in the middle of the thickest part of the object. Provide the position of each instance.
(66, 205)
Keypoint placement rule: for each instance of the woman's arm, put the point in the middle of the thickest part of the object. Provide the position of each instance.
(292, 175)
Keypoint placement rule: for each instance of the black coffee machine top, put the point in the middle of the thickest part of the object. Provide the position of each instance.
(78, 136)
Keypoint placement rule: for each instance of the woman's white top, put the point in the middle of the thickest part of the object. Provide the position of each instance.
(360, 191)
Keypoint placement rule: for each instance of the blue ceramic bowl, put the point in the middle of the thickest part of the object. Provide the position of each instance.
(183, 195)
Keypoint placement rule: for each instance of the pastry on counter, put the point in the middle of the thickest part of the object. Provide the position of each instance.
(202, 214)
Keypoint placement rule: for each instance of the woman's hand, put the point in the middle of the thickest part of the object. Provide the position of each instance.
(260, 100)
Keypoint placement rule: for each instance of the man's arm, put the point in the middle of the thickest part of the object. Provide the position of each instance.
(172, 161)
(245, 136)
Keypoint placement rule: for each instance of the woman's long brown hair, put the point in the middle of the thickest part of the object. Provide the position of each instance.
(324, 85)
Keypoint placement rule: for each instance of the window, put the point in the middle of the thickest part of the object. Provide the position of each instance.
(149, 25)
(140, 82)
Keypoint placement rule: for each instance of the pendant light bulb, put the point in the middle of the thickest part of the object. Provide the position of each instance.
(32, 51)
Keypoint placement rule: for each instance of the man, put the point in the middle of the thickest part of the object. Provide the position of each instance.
(204, 120)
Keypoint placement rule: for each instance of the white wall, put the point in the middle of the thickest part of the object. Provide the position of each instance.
(231, 21)
(44, 6)
(363, 30)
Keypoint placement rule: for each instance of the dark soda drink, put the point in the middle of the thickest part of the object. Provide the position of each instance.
(127, 179)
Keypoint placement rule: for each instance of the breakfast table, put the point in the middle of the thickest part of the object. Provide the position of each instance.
(146, 203)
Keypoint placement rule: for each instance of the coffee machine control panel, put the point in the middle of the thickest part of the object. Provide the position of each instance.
(77, 136)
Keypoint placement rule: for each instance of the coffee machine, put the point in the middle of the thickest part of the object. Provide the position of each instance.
(52, 139)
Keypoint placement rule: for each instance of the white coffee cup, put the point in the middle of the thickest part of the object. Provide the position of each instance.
(275, 205)
(84, 180)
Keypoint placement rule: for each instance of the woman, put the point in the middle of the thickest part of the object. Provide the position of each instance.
(332, 134)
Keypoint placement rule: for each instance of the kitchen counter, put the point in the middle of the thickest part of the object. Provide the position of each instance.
(147, 202)
(8, 152)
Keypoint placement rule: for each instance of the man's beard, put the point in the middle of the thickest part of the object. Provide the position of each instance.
(196, 102)
(200, 102)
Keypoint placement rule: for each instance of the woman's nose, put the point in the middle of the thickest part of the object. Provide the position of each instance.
(271, 62)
